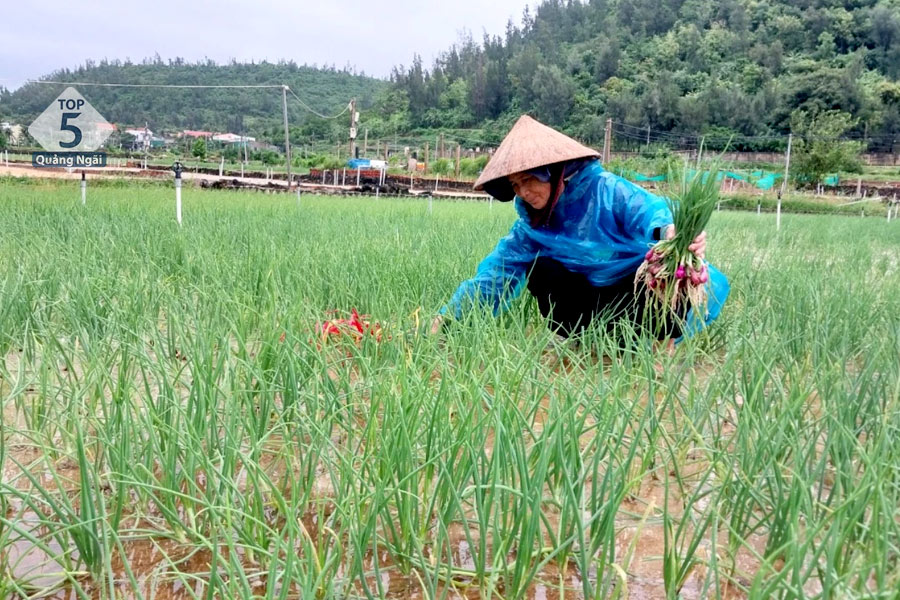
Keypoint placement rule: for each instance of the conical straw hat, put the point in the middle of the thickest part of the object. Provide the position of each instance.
(529, 144)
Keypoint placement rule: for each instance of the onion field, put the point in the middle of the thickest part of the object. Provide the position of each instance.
(177, 425)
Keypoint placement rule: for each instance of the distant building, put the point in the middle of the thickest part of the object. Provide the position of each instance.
(232, 138)
(141, 136)
(196, 134)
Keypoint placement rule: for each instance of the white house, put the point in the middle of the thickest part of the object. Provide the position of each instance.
(232, 138)
(141, 135)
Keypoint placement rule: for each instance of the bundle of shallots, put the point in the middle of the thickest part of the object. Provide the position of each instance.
(354, 328)
(673, 277)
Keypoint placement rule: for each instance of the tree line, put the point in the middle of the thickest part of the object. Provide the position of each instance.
(732, 69)
(741, 72)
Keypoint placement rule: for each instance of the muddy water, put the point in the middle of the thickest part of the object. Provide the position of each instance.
(156, 563)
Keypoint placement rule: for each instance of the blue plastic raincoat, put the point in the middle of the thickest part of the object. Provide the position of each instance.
(601, 226)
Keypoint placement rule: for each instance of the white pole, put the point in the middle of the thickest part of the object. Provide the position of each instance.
(242, 170)
(787, 166)
(222, 167)
(178, 197)
(357, 176)
(298, 193)
(436, 177)
(411, 181)
(344, 176)
(83, 189)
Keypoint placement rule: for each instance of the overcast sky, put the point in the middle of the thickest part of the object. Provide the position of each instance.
(41, 36)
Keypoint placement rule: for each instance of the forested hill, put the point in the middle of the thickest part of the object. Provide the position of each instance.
(255, 111)
(676, 66)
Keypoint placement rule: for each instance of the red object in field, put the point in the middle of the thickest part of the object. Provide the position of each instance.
(356, 327)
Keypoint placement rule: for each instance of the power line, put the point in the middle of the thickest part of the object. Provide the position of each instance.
(641, 133)
(190, 86)
(310, 109)
(151, 85)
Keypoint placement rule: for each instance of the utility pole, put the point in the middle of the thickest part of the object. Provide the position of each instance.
(607, 141)
(648, 135)
(787, 166)
(354, 117)
(287, 137)
(243, 143)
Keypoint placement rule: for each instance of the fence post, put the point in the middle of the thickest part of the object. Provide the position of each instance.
(177, 167)
(83, 189)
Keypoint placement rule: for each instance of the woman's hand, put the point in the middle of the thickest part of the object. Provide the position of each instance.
(436, 325)
(698, 246)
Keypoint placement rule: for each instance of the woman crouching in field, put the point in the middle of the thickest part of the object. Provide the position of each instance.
(581, 235)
